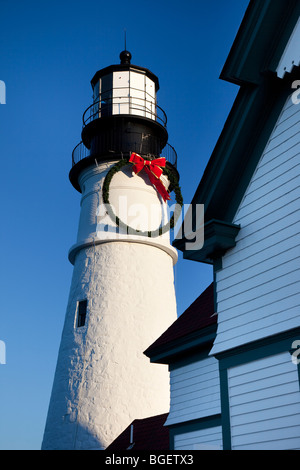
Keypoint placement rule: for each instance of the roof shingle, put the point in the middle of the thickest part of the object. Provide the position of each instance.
(148, 434)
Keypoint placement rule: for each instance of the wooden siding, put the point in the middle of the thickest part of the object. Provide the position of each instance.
(203, 439)
(258, 287)
(291, 55)
(195, 390)
(264, 400)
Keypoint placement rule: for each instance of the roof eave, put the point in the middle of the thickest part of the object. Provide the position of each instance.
(238, 149)
(125, 67)
(260, 40)
(173, 350)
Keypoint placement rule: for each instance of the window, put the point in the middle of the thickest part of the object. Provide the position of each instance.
(81, 316)
(106, 96)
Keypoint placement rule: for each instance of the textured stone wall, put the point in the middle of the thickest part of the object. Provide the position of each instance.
(103, 380)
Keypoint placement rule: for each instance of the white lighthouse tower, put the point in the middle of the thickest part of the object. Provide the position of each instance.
(122, 292)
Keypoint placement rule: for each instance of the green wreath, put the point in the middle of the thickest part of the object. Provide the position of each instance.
(173, 184)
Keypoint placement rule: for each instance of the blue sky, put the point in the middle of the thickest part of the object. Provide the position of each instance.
(49, 52)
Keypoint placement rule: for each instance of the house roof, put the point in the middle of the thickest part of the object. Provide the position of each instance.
(252, 64)
(148, 434)
(261, 40)
(196, 326)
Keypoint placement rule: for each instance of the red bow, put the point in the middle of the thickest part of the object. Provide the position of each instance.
(153, 170)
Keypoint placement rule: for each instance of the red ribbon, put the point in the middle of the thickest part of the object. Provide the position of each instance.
(153, 170)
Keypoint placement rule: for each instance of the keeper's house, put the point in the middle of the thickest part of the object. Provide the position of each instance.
(233, 355)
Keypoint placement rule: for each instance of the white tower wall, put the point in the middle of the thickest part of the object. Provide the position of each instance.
(103, 381)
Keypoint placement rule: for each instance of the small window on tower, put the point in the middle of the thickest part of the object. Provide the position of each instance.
(81, 315)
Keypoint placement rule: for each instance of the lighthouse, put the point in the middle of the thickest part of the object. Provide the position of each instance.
(122, 294)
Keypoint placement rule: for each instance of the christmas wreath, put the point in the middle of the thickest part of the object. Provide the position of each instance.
(154, 168)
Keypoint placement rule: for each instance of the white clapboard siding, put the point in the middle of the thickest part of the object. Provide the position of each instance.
(264, 401)
(291, 54)
(258, 287)
(204, 439)
(195, 391)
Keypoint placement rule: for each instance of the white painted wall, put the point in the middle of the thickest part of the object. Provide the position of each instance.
(135, 201)
(264, 402)
(258, 289)
(204, 439)
(103, 380)
(195, 391)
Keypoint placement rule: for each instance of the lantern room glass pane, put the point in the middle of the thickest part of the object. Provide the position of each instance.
(121, 92)
(105, 105)
(138, 104)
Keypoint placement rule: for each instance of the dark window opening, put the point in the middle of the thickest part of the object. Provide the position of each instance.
(106, 95)
(82, 305)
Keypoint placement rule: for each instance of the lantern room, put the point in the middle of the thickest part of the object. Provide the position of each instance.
(124, 117)
(125, 89)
